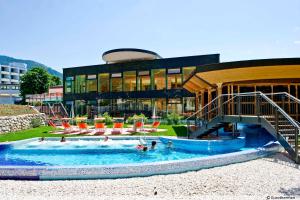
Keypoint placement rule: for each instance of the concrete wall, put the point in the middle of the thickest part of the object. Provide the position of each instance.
(20, 122)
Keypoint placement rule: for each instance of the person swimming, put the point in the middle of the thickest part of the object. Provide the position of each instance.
(63, 139)
(153, 144)
(42, 139)
(170, 144)
(105, 139)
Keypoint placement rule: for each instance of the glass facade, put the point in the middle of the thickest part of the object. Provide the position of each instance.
(103, 82)
(189, 104)
(80, 84)
(91, 83)
(116, 82)
(69, 85)
(129, 78)
(175, 105)
(80, 107)
(159, 77)
(144, 81)
(174, 78)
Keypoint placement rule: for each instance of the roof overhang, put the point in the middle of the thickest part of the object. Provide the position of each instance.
(128, 54)
(210, 76)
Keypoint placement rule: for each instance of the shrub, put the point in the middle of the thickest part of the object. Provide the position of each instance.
(108, 119)
(131, 120)
(36, 122)
(173, 118)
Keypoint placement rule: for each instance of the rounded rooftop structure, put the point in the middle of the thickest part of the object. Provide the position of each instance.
(128, 54)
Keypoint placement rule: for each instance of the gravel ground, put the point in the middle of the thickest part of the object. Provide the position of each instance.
(266, 178)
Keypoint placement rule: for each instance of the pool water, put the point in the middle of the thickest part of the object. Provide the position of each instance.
(78, 152)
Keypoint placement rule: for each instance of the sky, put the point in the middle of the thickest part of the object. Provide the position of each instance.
(68, 33)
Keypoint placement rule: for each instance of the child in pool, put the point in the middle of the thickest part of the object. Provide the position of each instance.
(153, 144)
(42, 139)
(63, 139)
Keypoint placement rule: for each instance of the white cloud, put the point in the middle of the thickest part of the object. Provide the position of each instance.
(297, 42)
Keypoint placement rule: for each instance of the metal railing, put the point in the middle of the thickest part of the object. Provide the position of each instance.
(289, 103)
(251, 104)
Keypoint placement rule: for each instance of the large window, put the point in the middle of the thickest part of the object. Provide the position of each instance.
(159, 76)
(144, 104)
(69, 85)
(174, 78)
(92, 83)
(175, 106)
(160, 106)
(129, 81)
(103, 82)
(187, 71)
(80, 84)
(80, 107)
(144, 81)
(116, 82)
(189, 104)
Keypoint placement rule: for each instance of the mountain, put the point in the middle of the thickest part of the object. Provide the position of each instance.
(5, 60)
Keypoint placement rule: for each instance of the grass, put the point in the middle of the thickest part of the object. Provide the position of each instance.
(12, 110)
(45, 131)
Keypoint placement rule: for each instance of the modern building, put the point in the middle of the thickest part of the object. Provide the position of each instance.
(9, 82)
(137, 81)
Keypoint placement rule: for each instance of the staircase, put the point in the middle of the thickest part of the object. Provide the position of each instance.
(252, 108)
(56, 110)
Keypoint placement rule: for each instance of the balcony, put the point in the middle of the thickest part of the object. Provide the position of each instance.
(4, 72)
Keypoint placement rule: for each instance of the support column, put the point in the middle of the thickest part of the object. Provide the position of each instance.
(196, 101)
(202, 103)
(209, 97)
(219, 93)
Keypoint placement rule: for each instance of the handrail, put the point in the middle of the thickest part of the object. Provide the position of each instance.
(280, 110)
(247, 94)
(203, 108)
(211, 102)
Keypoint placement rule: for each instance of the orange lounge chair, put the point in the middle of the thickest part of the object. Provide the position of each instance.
(117, 128)
(83, 127)
(139, 125)
(68, 128)
(51, 123)
(154, 126)
(100, 128)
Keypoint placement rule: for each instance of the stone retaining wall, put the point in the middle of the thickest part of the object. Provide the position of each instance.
(19, 122)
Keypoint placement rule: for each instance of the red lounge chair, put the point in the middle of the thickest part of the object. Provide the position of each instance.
(68, 128)
(50, 123)
(154, 126)
(100, 128)
(138, 126)
(83, 128)
(117, 128)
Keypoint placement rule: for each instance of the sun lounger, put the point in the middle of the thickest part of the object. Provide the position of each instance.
(51, 123)
(99, 128)
(117, 128)
(154, 126)
(68, 128)
(83, 127)
(138, 126)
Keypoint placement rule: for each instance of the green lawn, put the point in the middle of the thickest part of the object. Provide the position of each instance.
(45, 131)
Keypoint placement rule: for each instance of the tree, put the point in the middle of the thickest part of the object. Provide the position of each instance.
(34, 81)
(54, 80)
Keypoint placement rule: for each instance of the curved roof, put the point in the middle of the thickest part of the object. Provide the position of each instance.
(211, 75)
(128, 54)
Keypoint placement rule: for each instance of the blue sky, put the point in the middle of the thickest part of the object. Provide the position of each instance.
(66, 33)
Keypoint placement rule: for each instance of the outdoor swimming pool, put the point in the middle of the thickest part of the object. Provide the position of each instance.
(119, 157)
